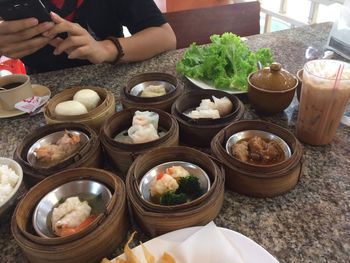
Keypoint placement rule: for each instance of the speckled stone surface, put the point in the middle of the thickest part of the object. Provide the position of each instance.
(311, 223)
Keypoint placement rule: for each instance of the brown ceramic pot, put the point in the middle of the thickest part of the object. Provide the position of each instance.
(271, 90)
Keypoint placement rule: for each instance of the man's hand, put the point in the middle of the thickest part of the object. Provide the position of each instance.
(23, 37)
(79, 44)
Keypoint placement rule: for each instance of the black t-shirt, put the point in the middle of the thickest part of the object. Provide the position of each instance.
(102, 18)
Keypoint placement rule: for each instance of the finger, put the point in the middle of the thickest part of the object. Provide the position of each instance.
(34, 43)
(56, 42)
(27, 33)
(79, 53)
(70, 42)
(65, 26)
(27, 52)
(56, 18)
(9, 27)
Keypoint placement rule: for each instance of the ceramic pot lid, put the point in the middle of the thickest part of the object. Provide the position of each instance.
(273, 78)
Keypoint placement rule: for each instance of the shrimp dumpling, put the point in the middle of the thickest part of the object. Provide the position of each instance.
(208, 114)
(153, 91)
(206, 104)
(143, 133)
(224, 105)
(146, 117)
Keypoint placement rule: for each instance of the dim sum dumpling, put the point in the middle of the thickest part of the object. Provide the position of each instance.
(177, 172)
(165, 184)
(146, 117)
(143, 133)
(224, 105)
(71, 213)
(153, 91)
(209, 114)
(70, 108)
(88, 97)
(206, 104)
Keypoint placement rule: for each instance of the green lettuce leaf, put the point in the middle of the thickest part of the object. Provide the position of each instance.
(226, 62)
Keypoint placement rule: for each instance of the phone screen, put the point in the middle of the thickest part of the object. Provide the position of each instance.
(20, 9)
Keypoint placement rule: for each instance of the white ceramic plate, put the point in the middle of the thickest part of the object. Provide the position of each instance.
(250, 251)
(203, 85)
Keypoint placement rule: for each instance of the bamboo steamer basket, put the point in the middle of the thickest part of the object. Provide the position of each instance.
(255, 180)
(94, 118)
(101, 238)
(121, 155)
(157, 219)
(89, 155)
(162, 102)
(200, 132)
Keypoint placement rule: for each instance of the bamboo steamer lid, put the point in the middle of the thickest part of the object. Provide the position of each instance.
(162, 102)
(157, 219)
(121, 155)
(94, 118)
(255, 180)
(88, 155)
(199, 132)
(90, 245)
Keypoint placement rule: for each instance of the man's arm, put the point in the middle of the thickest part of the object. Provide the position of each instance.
(81, 45)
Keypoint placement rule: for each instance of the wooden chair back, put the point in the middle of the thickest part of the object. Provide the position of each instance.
(197, 25)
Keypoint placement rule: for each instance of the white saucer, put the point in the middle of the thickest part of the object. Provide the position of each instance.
(38, 90)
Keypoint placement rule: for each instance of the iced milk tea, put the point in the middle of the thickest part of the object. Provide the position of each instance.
(323, 100)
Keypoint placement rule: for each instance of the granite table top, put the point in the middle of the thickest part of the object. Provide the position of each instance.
(311, 223)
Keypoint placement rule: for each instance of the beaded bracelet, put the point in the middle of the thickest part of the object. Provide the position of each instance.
(119, 47)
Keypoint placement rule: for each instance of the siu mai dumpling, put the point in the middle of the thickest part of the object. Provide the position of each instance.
(177, 172)
(162, 184)
(143, 133)
(224, 105)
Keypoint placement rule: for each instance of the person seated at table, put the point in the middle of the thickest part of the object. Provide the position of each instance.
(88, 25)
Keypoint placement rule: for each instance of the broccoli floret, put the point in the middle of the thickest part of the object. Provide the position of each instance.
(172, 198)
(190, 186)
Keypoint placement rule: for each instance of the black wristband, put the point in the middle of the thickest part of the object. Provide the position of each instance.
(119, 47)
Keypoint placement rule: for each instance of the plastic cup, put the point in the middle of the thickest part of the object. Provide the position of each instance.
(324, 97)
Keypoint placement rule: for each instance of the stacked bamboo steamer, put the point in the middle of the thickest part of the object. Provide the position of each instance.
(121, 155)
(101, 238)
(94, 118)
(162, 102)
(199, 132)
(88, 155)
(158, 219)
(255, 180)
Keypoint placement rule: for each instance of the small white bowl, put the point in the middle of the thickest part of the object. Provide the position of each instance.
(18, 170)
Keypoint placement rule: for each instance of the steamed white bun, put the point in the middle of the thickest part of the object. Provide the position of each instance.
(87, 97)
(70, 108)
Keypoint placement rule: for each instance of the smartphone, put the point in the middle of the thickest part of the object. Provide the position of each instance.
(20, 9)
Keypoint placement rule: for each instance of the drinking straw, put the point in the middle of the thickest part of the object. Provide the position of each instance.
(334, 89)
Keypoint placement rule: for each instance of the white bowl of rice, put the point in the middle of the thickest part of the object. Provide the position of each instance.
(11, 176)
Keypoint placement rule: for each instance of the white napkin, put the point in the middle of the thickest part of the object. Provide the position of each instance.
(208, 245)
(29, 105)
